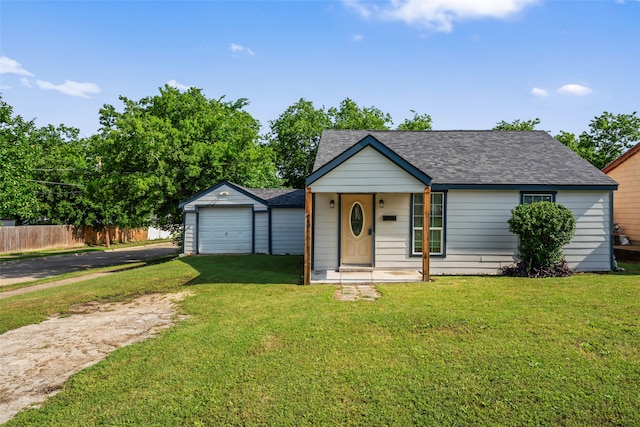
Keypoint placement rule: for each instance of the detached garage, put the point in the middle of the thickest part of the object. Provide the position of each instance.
(231, 219)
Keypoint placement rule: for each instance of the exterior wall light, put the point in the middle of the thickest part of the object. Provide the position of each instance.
(332, 204)
(381, 203)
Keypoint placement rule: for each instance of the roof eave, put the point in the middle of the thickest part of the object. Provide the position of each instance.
(624, 157)
(236, 187)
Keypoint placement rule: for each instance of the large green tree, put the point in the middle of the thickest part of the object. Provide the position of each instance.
(41, 171)
(165, 148)
(417, 122)
(294, 138)
(62, 171)
(18, 158)
(517, 124)
(609, 136)
(348, 115)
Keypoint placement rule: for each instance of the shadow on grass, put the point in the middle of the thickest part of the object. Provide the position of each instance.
(630, 268)
(260, 269)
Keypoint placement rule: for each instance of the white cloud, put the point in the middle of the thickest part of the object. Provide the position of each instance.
(439, 15)
(10, 66)
(360, 9)
(177, 85)
(25, 81)
(357, 38)
(5, 87)
(574, 89)
(237, 48)
(536, 91)
(71, 88)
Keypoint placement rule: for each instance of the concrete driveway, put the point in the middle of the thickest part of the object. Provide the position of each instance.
(39, 268)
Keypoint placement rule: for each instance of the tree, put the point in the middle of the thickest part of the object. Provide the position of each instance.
(543, 228)
(517, 125)
(609, 136)
(350, 116)
(62, 171)
(164, 148)
(295, 133)
(294, 138)
(18, 157)
(418, 122)
(40, 172)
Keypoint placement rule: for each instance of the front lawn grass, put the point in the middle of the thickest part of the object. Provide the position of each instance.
(259, 350)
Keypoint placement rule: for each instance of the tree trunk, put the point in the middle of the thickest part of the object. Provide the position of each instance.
(107, 238)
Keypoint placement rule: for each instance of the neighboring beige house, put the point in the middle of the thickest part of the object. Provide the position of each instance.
(626, 208)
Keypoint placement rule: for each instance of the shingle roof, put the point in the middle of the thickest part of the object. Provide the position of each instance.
(476, 157)
(278, 196)
(273, 197)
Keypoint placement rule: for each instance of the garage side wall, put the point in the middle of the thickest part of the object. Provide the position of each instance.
(287, 231)
(261, 236)
(189, 243)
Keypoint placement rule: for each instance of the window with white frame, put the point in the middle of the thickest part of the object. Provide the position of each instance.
(528, 198)
(436, 224)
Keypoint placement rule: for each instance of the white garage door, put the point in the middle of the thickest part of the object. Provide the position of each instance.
(225, 230)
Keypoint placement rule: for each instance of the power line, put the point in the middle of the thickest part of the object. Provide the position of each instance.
(54, 183)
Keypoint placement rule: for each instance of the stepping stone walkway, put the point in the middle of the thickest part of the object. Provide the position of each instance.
(355, 292)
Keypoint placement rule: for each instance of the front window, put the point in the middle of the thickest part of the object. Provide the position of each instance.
(436, 224)
(528, 198)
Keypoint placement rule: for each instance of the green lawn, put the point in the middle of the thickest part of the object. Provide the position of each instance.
(259, 350)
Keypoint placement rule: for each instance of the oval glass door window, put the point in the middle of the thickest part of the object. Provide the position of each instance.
(357, 219)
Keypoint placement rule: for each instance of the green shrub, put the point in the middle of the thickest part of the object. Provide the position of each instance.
(544, 228)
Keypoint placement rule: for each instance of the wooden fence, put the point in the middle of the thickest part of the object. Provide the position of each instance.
(35, 237)
(96, 237)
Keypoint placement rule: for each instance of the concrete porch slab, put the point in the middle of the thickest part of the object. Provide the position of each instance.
(375, 276)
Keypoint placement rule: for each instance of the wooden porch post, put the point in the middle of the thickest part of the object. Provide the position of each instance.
(308, 200)
(426, 222)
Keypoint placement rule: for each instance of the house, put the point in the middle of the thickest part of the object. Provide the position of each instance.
(363, 208)
(231, 219)
(626, 212)
(365, 201)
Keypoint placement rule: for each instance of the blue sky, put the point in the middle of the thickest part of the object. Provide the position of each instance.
(467, 63)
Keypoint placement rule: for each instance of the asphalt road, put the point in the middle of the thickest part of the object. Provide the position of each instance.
(39, 268)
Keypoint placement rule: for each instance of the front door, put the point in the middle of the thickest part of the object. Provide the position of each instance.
(357, 229)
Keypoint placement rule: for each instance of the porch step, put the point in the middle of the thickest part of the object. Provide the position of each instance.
(355, 268)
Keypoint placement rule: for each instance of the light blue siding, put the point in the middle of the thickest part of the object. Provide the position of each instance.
(367, 172)
(261, 232)
(287, 231)
(590, 249)
(477, 239)
(325, 231)
(189, 238)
